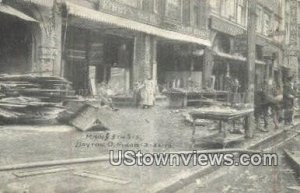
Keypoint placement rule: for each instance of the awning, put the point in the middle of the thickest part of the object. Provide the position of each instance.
(14, 12)
(98, 16)
(236, 58)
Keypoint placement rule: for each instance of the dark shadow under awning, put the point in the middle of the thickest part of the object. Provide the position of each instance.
(6, 9)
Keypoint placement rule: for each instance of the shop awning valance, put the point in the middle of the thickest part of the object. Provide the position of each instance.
(101, 17)
(234, 57)
(16, 13)
(45, 3)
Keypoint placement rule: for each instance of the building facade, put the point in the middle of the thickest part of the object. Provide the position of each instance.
(120, 41)
(228, 33)
(173, 42)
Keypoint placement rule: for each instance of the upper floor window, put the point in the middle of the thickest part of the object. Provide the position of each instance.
(147, 5)
(197, 14)
(156, 5)
(215, 6)
(267, 24)
(242, 12)
(132, 3)
(173, 9)
(228, 9)
(259, 20)
(186, 13)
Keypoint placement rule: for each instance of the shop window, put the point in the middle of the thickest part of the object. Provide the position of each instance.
(259, 52)
(223, 44)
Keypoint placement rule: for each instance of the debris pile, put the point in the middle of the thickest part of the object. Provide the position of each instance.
(88, 115)
(31, 97)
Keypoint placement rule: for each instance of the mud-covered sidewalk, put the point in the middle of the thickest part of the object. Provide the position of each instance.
(150, 130)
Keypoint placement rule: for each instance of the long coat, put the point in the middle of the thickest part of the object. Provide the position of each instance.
(288, 96)
(147, 93)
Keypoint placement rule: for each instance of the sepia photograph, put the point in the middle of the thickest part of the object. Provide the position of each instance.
(149, 96)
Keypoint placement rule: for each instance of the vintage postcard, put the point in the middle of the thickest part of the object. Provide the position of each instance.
(149, 96)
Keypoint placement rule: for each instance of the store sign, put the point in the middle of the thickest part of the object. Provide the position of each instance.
(127, 11)
(225, 27)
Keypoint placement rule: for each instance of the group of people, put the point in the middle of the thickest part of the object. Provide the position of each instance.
(280, 101)
(143, 94)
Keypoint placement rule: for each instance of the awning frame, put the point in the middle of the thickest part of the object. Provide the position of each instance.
(8, 10)
(236, 58)
(98, 16)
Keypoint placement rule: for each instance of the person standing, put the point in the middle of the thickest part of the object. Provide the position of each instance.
(137, 93)
(276, 106)
(147, 94)
(288, 101)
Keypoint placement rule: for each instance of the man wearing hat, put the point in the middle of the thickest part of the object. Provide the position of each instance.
(288, 100)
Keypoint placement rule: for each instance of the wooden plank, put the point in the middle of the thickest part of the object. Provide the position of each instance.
(22, 174)
(297, 188)
(53, 163)
(294, 160)
(102, 177)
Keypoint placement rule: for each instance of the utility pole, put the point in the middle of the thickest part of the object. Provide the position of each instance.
(251, 52)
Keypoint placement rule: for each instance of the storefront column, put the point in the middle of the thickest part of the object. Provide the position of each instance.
(49, 48)
(144, 59)
(207, 67)
(154, 61)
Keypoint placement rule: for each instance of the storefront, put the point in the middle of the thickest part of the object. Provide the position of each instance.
(179, 65)
(230, 63)
(96, 53)
(100, 47)
(17, 46)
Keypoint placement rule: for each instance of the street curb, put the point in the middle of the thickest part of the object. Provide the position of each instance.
(179, 181)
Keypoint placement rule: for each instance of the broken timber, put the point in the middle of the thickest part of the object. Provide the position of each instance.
(22, 174)
(106, 158)
(101, 177)
(294, 159)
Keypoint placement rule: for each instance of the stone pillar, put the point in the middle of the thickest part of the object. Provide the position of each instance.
(49, 46)
(154, 60)
(58, 70)
(207, 67)
(250, 76)
(144, 58)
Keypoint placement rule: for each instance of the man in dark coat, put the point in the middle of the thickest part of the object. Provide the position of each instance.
(261, 108)
(288, 101)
